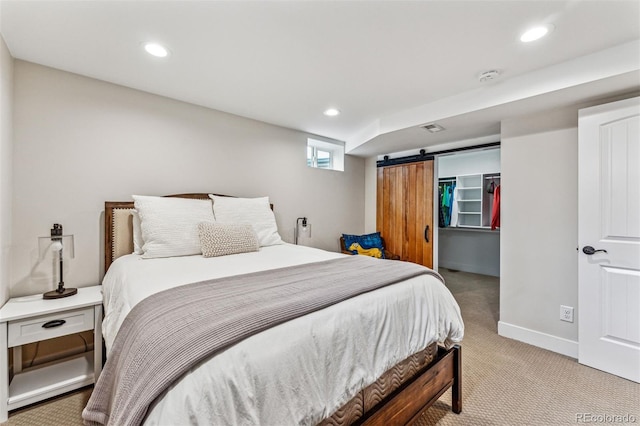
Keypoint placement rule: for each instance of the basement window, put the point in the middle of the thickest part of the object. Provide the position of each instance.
(325, 155)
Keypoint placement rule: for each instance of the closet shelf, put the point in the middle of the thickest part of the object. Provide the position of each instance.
(469, 228)
(474, 199)
(474, 228)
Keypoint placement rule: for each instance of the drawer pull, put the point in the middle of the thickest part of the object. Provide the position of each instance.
(54, 323)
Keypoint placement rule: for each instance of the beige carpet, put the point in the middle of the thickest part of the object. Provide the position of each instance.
(505, 382)
(64, 410)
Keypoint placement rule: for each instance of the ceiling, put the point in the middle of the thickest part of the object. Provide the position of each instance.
(388, 66)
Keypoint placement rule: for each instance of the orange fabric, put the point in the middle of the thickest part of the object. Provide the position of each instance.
(495, 213)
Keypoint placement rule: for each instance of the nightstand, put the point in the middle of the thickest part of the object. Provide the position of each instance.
(32, 319)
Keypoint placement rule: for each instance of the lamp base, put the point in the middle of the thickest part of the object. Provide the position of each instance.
(55, 294)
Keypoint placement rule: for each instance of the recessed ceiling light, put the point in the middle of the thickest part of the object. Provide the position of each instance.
(535, 33)
(156, 49)
(332, 112)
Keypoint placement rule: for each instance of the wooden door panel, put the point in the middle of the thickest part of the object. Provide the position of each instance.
(413, 244)
(427, 255)
(419, 216)
(405, 208)
(398, 207)
(414, 219)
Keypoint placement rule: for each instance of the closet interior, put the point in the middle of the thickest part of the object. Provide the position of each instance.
(468, 206)
(468, 201)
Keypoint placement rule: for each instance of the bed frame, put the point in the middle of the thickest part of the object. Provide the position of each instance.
(399, 397)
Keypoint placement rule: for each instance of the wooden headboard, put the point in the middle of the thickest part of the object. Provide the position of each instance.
(118, 226)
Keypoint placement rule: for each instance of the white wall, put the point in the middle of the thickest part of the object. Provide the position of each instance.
(539, 229)
(80, 142)
(469, 162)
(6, 157)
(469, 250)
(370, 194)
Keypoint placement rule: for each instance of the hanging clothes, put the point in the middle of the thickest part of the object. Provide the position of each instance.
(448, 197)
(495, 213)
(454, 208)
(440, 212)
(446, 203)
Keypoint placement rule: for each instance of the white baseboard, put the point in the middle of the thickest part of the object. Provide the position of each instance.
(542, 340)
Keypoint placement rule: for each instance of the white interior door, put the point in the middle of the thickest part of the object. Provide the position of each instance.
(609, 238)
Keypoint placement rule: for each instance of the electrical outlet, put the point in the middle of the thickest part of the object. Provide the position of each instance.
(566, 313)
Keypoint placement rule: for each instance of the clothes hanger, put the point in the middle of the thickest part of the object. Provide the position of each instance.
(491, 186)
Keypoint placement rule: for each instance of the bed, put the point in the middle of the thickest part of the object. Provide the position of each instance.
(376, 358)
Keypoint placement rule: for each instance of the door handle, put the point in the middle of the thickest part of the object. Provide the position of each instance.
(590, 250)
(426, 233)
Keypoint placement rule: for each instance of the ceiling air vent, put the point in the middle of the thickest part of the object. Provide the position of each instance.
(433, 127)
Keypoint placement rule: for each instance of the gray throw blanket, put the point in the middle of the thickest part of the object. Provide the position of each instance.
(170, 332)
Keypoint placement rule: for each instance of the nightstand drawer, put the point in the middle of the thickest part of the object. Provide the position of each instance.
(49, 326)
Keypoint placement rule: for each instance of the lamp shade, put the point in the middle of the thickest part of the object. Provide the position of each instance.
(302, 228)
(47, 245)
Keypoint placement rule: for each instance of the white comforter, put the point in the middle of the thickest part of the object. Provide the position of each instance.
(301, 371)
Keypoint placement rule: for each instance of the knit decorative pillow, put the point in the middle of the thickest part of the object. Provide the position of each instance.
(221, 239)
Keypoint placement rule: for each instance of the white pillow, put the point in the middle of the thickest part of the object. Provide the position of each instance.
(255, 211)
(138, 242)
(170, 224)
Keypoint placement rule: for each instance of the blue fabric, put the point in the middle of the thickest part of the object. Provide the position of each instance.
(445, 192)
(366, 242)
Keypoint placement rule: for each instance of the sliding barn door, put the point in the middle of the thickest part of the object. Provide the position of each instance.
(405, 210)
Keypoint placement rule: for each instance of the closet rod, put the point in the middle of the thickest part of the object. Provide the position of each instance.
(492, 177)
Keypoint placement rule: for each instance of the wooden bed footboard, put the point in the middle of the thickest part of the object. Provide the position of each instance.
(409, 401)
